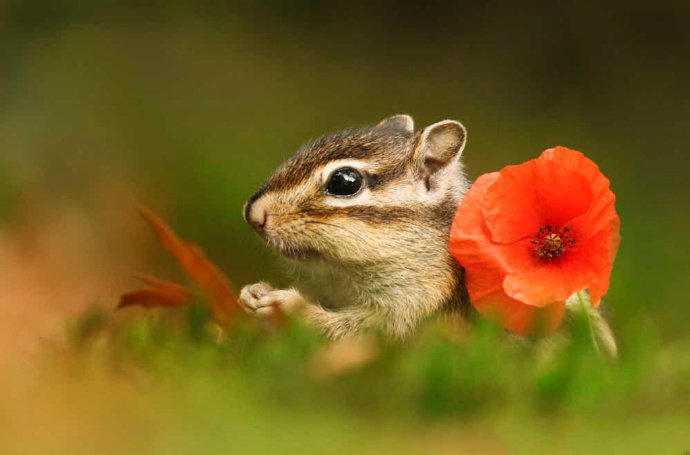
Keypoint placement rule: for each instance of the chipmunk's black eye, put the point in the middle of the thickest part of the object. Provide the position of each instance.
(345, 182)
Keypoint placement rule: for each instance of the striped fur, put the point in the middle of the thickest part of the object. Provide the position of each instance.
(379, 258)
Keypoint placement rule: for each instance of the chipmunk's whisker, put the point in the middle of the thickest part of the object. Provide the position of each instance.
(342, 228)
(308, 221)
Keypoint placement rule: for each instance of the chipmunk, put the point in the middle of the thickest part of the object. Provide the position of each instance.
(368, 212)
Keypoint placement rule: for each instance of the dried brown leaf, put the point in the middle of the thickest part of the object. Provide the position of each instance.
(204, 273)
(159, 293)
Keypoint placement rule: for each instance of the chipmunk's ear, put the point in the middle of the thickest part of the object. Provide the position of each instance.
(399, 122)
(436, 147)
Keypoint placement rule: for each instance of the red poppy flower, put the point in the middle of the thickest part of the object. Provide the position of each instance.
(532, 235)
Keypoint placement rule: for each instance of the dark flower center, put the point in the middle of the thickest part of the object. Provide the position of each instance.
(551, 242)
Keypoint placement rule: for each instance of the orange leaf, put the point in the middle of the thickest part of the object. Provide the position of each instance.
(158, 293)
(212, 282)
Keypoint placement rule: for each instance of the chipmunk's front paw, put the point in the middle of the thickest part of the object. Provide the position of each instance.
(260, 299)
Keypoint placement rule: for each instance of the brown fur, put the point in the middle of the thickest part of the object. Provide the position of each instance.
(382, 254)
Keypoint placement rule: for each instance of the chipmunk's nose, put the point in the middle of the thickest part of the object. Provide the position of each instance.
(255, 213)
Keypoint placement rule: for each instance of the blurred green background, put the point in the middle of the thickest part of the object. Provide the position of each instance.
(196, 102)
(188, 105)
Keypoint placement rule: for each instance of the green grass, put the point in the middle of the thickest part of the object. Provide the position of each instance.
(164, 382)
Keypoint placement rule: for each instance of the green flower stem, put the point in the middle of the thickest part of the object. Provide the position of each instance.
(588, 318)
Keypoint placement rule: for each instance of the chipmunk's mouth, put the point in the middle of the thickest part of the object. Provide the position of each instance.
(286, 247)
(295, 253)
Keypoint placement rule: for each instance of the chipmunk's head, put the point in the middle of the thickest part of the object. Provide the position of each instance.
(364, 195)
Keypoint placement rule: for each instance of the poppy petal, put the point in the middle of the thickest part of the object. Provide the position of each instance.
(520, 318)
(602, 210)
(600, 285)
(531, 195)
(471, 245)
